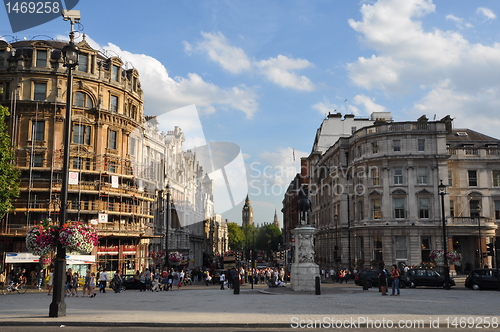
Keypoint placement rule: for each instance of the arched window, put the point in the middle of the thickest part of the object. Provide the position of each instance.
(83, 100)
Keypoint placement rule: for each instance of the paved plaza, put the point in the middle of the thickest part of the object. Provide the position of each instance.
(200, 305)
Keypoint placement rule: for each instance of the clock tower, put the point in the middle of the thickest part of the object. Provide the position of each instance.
(247, 213)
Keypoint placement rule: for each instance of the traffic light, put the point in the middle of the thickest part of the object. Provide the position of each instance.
(491, 249)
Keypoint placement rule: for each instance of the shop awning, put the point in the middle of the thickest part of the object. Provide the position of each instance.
(26, 257)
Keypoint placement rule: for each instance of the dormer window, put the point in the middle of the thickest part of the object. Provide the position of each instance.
(83, 62)
(41, 58)
(462, 134)
(114, 73)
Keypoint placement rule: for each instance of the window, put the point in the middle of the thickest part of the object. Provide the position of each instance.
(353, 130)
(425, 245)
(399, 208)
(475, 208)
(423, 208)
(361, 214)
(375, 176)
(374, 147)
(40, 91)
(472, 178)
(83, 100)
(452, 208)
(134, 112)
(377, 248)
(112, 139)
(377, 212)
(421, 145)
(113, 103)
(81, 134)
(497, 210)
(38, 160)
(4, 90)
(398, 176)
(114, 73)
(496, 178)
(77, 162)
(38, 131)
(111, 167)
(83, 62)
(2, 58)
(401, 248)
(450, 178)
(41, 58)
(422, 175)
(132, 143)
(396, 144)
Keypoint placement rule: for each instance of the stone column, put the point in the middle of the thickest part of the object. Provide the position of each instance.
(304, 270)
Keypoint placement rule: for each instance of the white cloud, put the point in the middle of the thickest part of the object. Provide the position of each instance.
(280, 70)
(369, 105)
(488, 13)
(276, 169)
(218, 49)
(164, 93)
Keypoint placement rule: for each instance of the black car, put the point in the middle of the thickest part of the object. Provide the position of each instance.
(371, 277)
(128, 282)
(427, 277)
(482, 279)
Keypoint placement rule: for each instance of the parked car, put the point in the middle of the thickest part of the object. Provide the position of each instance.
(427, 277)
(482, 279)
(371, 277)
(216, 275)
(127, 282)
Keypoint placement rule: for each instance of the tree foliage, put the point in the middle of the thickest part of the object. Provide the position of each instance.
(268, 238)
(9, 174)
(236, 237)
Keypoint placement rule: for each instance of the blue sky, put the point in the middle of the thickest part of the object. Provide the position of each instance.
(263, 74)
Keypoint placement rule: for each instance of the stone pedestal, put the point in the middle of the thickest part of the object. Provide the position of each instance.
(304, 270)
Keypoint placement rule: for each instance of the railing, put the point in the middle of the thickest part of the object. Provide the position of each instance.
(473, 153)
(470, 221)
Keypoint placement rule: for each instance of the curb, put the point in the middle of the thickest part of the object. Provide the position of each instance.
(145, 324)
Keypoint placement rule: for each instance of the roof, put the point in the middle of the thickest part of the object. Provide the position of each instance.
(470, 138)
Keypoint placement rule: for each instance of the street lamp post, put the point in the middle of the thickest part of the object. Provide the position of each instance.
(442, 192)
(336, 251)
(166, 218)
(58, 306)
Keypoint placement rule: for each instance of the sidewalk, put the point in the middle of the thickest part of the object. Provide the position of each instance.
(200, 305)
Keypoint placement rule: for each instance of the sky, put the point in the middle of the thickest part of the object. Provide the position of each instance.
(262, 74)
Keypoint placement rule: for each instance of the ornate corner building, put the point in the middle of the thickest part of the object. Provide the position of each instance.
(375, 194)
(115, 178)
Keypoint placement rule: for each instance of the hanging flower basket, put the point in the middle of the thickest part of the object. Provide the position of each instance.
(454, 257)
(175, 257)
(46, 261)
(78, 236)
(158, 257)
(41, 239)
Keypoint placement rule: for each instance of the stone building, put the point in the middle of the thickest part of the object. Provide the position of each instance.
(116, 176)
(375, 194)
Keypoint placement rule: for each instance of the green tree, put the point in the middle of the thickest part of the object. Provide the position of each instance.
(9, 174)
(236, 237)
(268, 238)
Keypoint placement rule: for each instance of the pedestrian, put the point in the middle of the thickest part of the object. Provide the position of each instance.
(40, 280)
(222, 280)
(382, 278)
(142, 282)
(85, 287)
(117, 282)
(51, 281)
(395, 280)
(103, 279)
(2, 279)
(74, 284)
(69, 278)
(92, 285)
(207, 277)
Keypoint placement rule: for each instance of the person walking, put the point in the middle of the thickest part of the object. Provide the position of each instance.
(51, 281)
(40, 280)
(222, 280)
(103, 278)
(395, 279)
(92, 285)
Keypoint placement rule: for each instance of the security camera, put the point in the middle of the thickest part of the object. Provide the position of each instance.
(72, 15)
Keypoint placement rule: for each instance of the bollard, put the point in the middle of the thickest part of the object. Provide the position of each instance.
(236, 285)
(365, 285)
(318, 286)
